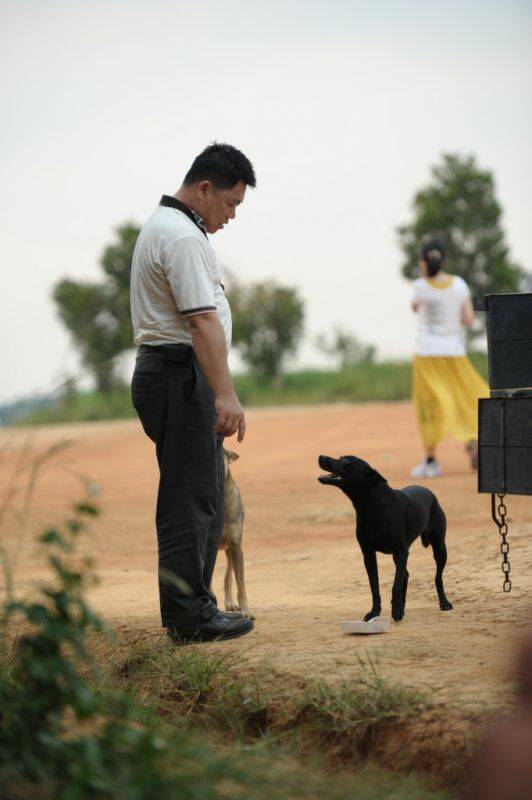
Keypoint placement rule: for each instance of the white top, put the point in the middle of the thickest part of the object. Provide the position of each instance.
(174, 275)
(439, 317)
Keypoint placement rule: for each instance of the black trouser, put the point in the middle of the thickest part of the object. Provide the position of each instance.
(176, 407)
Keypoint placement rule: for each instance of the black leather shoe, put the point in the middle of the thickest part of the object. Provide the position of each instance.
(217, 628)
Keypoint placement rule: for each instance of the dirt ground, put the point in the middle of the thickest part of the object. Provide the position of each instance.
(304, 570)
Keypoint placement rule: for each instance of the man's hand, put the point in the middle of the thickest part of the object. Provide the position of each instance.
(209, 345)
(230, 417)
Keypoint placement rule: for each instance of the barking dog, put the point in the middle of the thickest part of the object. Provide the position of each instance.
(231, 542)
(387, 521)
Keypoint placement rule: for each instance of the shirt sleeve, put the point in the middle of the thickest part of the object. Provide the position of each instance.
(416, 290)
(187, 267)
(464, 288)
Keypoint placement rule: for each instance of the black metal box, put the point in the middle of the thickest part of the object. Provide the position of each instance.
(509, 332)
(505, 445)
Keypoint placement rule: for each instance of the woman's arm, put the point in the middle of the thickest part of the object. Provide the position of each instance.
(415, 302)
(467, 314)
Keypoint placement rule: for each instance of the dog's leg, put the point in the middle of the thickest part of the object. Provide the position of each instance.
(437, 528)
(440, 556)
(238, 566)
(398, 589)
(370, 562)
(230, 604)
(405, 587)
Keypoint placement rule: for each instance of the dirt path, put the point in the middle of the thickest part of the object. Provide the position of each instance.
(304, 573)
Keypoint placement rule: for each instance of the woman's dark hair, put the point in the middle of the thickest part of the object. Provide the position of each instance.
(223, 165)
(433, 255)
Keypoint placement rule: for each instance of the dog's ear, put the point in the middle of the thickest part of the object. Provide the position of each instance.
(373, 476)
(231, 456)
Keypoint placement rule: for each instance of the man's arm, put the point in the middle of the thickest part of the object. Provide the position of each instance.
(211, 351)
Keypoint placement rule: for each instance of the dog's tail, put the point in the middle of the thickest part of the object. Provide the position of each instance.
(425, 539)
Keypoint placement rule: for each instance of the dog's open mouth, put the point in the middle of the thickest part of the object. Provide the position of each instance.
(331, 475)
(331, 478)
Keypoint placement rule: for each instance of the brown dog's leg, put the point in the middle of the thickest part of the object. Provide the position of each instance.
(238, 566)
(230, 604)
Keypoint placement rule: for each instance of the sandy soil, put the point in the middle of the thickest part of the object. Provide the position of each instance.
(304, 569)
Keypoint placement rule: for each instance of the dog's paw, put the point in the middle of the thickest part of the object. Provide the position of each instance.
(397, 614)
(445, 605)
(247, 612)
(231, 606)
(375, 612)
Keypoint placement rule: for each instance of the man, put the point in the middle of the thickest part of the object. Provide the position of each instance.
(182, 389)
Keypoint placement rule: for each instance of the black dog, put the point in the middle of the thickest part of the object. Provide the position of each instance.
(388, 521)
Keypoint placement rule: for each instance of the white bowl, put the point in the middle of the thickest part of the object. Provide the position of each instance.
(375, 625)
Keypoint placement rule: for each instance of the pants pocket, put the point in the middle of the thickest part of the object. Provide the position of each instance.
(148, 395)
(146, 381)
(190, 382)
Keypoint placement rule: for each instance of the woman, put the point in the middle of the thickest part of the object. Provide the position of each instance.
(446, 387)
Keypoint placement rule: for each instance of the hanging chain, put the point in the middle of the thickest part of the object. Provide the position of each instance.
(500, 509)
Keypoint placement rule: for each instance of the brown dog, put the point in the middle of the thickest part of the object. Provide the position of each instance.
(231, 542)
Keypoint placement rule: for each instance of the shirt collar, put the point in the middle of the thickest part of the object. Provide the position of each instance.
(172, 202)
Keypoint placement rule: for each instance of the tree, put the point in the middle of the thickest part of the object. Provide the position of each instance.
(346, 348)
(97, 314)
(267, 325)
(460, 208)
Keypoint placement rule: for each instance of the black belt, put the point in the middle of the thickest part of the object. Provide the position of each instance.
(170, 352)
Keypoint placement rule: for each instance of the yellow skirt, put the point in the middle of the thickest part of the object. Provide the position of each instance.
(445, 392)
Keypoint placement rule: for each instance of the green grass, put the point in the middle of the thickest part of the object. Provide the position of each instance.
(296, 732)
(368, 382)
(191, 684)
(363, 383)
(179, 680)
(187, 681)
(278, 734)
(187, 734)
(82, 407)
(362, 703)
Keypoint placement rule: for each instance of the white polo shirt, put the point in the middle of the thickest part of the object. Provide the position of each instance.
(439, 317)
(174, 275)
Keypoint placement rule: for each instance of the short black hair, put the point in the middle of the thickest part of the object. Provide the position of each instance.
(223, 165)
(433, 254)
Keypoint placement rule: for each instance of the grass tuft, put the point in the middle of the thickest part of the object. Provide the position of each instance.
(185, 681)
(221, 694)
(362, 703)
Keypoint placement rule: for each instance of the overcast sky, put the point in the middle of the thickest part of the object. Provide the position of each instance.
(342, 107)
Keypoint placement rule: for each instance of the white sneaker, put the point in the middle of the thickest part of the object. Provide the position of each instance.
(427, 469)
